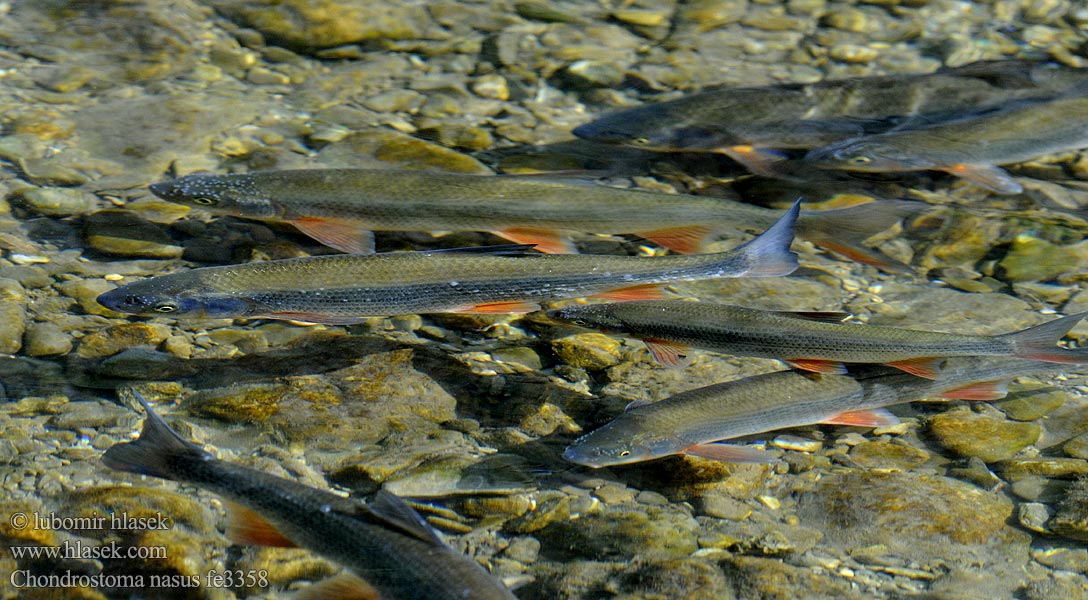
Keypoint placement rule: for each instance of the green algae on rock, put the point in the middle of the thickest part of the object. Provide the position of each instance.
(972, 434)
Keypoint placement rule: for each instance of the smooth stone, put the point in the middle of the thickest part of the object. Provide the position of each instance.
(56, 202)
(546, 420)
(721, 506)
(120, 233)
(591, 73)
(590, 351)
(1071, 516)
(871, 507)
(1033, 516)
(967, 434)
(12, 316)
(1015, 469)
(458, 135)
(1033, 259)
(86, 292)
(755, 576)
(888, 455)
(46, 339)
(621, 531)
(92, 414)
(1077, 447)
(115, 338)
(1028, 402)
(1063, 559)
(306, 24)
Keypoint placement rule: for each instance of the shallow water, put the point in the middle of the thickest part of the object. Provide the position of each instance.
(469, 414)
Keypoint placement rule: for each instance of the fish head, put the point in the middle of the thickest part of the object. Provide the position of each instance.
(233, 195)
(173, 296)
(623, 441)
(654, 127)
(590, 316)
(869, 154)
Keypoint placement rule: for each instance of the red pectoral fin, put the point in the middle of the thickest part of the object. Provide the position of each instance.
(877, 417)
(988, 176)
(759, 161)
(983, 390)
(922, 367)
(685, 240)
(549, 241)
(817, 365)
(493, 308)
(864, 256)
(637, 292)
(670, 354)
(345, 236)
(247, 528)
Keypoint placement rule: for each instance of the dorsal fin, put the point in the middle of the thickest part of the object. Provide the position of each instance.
(823, 316)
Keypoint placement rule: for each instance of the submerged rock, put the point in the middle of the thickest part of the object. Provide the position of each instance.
(968, 434)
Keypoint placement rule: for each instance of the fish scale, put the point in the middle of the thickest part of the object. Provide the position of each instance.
(384, 542)
(689, 422)
(348, 288)
(744, 331)
(340, 207)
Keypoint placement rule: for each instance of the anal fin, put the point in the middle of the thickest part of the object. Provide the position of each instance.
(983, 390)
(549, 241)
(246, 527)
(497, 308)
(685, 240)
(988, 176)
(817, 365)
(649, 291)
(923, 367)
(876, 417)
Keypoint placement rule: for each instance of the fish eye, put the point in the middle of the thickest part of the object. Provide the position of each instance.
(860, 160)
(641, 141)
(205, 200)
(625, 453)
(165, 307)
(580, 322)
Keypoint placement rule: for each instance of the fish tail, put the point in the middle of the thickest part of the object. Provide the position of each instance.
(769, 255)
(1040, 342)
(156, 452)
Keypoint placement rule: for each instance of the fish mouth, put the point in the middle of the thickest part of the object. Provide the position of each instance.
(571, 454)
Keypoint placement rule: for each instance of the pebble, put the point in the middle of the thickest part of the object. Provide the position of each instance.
(1033, 516)
(968, 434)
(1033, 259)
(1071, 516)
(1028, 402)
(12, 315)
(888, 455)
(56, 202)
(590, 351)
(120, 233)
(1018, 468)
(86, 292)
(46, 339)
(115, 338)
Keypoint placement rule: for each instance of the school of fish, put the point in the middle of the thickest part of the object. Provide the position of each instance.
(966, 121)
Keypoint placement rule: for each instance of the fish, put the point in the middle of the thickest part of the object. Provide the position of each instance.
(387, 545)
(693, 422)
(342, 207)
(811, 341)
(347, 288)
(753, 124)
(971, 147)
